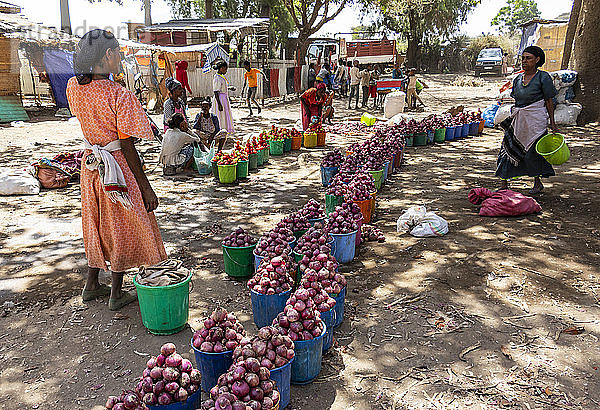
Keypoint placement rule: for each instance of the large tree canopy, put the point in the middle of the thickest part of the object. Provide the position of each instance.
(415, 19)
(515, 13)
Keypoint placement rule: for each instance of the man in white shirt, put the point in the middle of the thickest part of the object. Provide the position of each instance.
(354, 83)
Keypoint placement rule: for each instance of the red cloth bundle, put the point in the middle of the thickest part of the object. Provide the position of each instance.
(503, 203)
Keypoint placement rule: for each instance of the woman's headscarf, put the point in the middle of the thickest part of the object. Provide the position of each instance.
(90, 51)
(538, 52)
(172, 84)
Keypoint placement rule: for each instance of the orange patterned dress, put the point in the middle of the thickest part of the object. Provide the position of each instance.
(126, 238)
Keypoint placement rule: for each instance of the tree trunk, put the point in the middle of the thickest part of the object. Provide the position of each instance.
(65, 17)
(570, 36)
(303, 43)
(147, 13)
(586, 60)
(413, 41)
(209, 9)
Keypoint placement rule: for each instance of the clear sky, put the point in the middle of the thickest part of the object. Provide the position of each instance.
(86, 15)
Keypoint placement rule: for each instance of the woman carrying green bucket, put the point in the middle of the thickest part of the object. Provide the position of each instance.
(533, 91)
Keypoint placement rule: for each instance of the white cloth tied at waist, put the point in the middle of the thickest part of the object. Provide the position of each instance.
(113, 180)
(529, 123)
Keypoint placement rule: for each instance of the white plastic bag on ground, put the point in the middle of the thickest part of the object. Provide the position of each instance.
(421, 223)
(203, 159)
(398, 118)
(566, 114)
(502, 113)
(18, 182)
(394, 103)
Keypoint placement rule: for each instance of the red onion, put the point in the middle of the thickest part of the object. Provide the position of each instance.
(294, 222)
(289, 322)
(371, 233)
(332, 159)
(312, 210)
(341, 220)
(270, 348)
(128, 400)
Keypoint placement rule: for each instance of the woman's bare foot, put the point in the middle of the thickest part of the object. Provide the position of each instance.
(537, 187)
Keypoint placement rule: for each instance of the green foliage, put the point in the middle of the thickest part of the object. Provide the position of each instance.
(515, 13)
(489, 41)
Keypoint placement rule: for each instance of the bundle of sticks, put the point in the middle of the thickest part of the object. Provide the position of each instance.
(165, 273)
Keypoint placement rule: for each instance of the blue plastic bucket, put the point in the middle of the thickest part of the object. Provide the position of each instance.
(386, 166)
(430, 137)
(307, 362)
(212, 366)
(192, 403)
(474, 128)
(465, 130)
(450, 133)
(257, 261)
(329, 319)
(340, 300)
(266, 307)
(314, 221)
(327, 173)
(282, 376)
(345, 246)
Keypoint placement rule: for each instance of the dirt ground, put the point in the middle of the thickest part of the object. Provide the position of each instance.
(499, 313)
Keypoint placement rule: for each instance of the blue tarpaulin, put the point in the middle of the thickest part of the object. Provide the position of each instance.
(59, 66)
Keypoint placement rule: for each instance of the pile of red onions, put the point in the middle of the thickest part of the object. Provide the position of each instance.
(126, 401)
(363, 178)
(333, 159)
(351, 163)
(322, 301)
(373, 164)
(323, 270)
(168, 378)
(239, 238)
(342, 220)
(312, 210)
(337, 188)
(275, 243)
(371, 234)
(273, 276)
(221, 332)
(246, 385)
(313, 242)
(358, 192)
(271, 348)
(301, 321)
(294, 222)
(342, 177)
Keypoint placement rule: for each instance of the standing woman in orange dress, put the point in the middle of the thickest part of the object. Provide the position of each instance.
(117, 201)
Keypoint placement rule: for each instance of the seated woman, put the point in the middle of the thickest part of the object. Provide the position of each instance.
(177, 150)
(207, 127)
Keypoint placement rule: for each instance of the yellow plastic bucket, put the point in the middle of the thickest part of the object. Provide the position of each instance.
(553, 148)
(368, 119)
(310, 139)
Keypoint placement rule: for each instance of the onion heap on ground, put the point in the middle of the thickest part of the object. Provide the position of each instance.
(128, 400)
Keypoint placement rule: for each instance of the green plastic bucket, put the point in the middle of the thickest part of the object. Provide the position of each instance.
(164, 309)
(215, 169)
(287, 145)
(242, 169)
(331, 201)
(239, 262)
(377, 177)
(553, 148)
(440, 135)
(227, 173)
(260, 160)
(420, 139)
(252, 162)
(298, 234)
(276, 147)
(266, 155)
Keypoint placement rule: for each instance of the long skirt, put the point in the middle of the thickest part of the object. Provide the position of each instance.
(532, 165)
(307, 115)
(225, 117)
